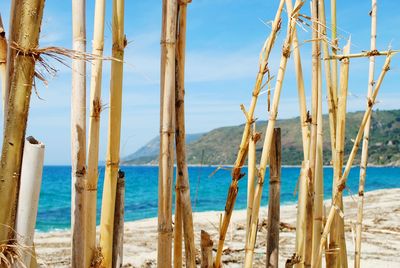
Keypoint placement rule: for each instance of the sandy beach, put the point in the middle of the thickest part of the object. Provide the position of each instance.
(380, 247)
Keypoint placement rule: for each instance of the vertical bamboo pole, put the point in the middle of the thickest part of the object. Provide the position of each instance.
(340, 142)
(252, 169)
(3, 61)
(178, 231)
(118, 232)
(250, 243)
(243, 148)
(167, 107)
(206, 250)
(335, 45)
(114, 133)
(94, 131)
(364, 154)
(183, 190)
(274, 200)
(27, 38)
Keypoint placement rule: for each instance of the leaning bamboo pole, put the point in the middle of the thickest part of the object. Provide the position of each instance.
(27, 39)
(364, 154)
(94, 131)
(341, 182)
(78, 136)
(243, 148)
(250, 242)
(251, 174)
(183, 203)
(167, 116)
(3, 60)
(28, 196)
(114, 133)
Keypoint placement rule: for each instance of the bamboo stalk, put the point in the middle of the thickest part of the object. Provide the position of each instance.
(364, 54)
(27, 38)
(94, 131)
(28, 198)
(341, 184)
(250, 243)
(114, 133)
(183, 189)
(274, 200)
(243, 148)
(364, 153)
(178, 227)
(206, 250)
(335, 44)
(118, 232)
(167, 107)
(3, 61)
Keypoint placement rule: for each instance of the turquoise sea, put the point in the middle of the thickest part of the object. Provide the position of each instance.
(207, 192)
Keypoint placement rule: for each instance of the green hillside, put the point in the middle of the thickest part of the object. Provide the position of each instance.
(220, 145)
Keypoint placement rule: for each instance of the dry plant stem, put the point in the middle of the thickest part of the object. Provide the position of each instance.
(340, 186)
(364, 154)
(274, 201)
(335, 44)
(206, 250)
(305, 131)
(94, 131)
(250, 242)
(243, 148)
(114, 134)
(21, 81)
(339, 157)
(167, 111)
(251, 168)
(364, 54)
(118, 232)
(182, 190)
(3, 60)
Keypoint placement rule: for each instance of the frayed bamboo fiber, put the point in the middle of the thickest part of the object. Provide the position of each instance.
(167, 118)
(364, 153)
(3, 60)
(243, 148)
(250, 242)
(21, 82)
(94, 131)
(28, 197)
(341, 184)
(206, 245)
(274, 200)
(114, 133)
(183, 203)
(118, 232)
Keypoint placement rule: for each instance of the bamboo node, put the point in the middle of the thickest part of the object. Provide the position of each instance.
(374, 52)
(184, 2)
(112, 164)
(286, 50)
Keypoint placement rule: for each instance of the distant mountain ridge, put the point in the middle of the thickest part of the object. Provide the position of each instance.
(220, 146)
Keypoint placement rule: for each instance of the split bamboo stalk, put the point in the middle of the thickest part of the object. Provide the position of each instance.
(250, 242)
(3, 60)
(94, 131)
(78, 136)
(27, 39)
(335, 234)
(364, 153)
(167, 112)
(206, 250)
(28, 197)
(274, 200)
(243, 148)
(118, 232)
(183, 203)
(341, 184)
(114, 133)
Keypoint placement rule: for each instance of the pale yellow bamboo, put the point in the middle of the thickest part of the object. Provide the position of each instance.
(251, 175)
(21, 81)
(340, 186)
(94, 131)
(364, 154)
(167, 111)
(114, 134)
(243, 148)
(335, 44)
(365, 54)
(250, 243)
(3, 60)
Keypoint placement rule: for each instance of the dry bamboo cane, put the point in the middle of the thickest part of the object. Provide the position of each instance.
(206, 250)
(114, 134)
(339, 158)
(3, 61)
(364, 154)
(243, 148)
(364, 54)
(21, 81)
(178, 227)
(118, 232)
(167, 111)
(274, 201)
(250, 242)
(335, 44)
(183, 189)
(341, 184)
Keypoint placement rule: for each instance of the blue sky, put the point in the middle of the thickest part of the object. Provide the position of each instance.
(224, 38)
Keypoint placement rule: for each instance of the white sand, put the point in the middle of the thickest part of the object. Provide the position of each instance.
(380, 248)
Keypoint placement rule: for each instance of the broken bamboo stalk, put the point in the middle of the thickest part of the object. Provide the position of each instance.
(206, 250)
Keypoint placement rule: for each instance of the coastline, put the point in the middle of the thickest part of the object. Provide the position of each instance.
(382, 224)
